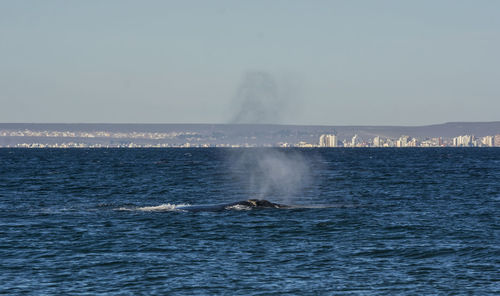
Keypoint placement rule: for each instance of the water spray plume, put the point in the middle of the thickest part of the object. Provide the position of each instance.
(273, 174)
(258, 100)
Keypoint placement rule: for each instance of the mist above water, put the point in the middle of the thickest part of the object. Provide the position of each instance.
(278, 175)
(261, 99)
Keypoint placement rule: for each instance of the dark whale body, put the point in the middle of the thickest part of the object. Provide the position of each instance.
(249, 203)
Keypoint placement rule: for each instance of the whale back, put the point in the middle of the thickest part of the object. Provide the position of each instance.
(251, 203)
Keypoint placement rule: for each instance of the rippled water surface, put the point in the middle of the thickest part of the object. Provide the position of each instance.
(368, 221)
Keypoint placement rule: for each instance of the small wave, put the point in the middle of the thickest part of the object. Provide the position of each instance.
(161, 208)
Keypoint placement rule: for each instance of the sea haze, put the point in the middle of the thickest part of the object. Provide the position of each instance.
(370, 221)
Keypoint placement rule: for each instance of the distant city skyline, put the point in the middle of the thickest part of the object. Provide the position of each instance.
(237, 135)
(409, 63)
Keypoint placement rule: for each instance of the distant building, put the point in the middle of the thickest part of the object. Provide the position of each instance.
(389, 143)
(402, 141)
(328, 141)
(354, 140)
(488, 141)
(413, 143)
(303, 144)
(496, 141)
(463, 141)
(376, 141)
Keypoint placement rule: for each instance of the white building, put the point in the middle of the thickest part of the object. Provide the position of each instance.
(463, 141)
(328, 141)
(488, 141)
(402, 141)
(354, 140)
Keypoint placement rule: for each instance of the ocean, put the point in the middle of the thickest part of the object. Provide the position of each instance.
(415, 221)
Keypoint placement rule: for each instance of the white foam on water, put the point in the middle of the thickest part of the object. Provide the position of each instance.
(161, 208)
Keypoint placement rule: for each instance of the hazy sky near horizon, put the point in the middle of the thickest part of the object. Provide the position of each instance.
(305, 62)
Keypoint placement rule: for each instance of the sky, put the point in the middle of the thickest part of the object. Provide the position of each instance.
(287, 62)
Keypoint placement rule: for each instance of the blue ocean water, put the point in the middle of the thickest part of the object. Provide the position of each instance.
(367, 222)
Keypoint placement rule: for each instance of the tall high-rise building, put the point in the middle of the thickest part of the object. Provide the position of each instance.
(497, 141)
(463, 141)
(322, 141)
(328, 141)
(488, 141)
(376, 141)
(354, 140)
(402, 141)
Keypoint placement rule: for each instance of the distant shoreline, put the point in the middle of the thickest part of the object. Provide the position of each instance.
(93, 135)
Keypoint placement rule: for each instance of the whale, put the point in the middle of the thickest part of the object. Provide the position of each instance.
(248, 204)
(239, 205)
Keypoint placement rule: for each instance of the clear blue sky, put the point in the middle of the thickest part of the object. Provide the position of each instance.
(334, 62)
